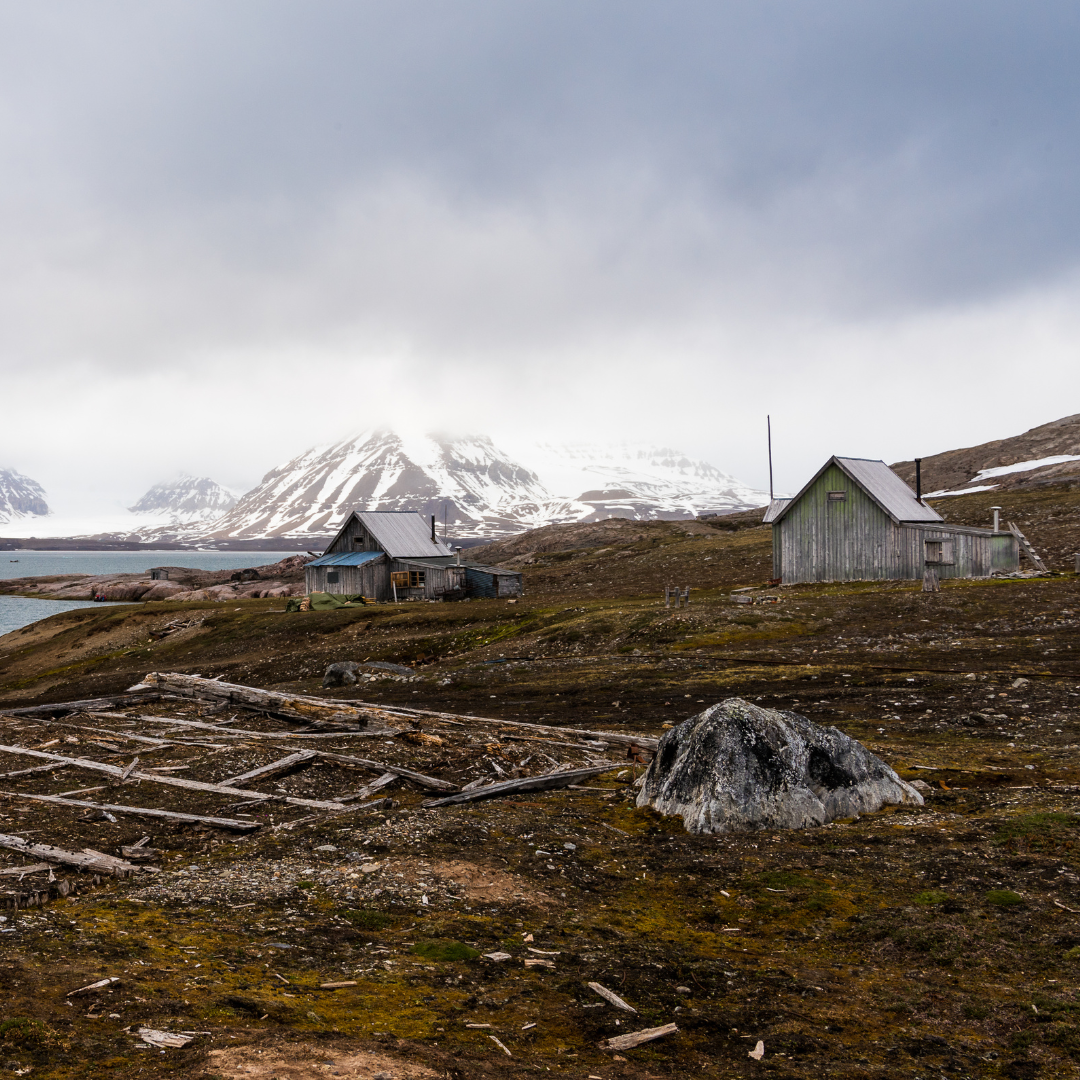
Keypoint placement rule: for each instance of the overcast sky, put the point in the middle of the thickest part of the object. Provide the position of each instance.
(231, 230)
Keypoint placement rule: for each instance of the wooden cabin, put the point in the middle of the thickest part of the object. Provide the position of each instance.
(391, 555)
(386, 555)
(856, 520)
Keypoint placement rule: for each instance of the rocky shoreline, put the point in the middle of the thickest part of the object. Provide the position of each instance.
(284, 578)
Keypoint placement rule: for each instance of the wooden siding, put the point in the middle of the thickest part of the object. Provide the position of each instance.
(853, 539)
(354, 538)
(371, 579)
(437, 579)
(486, 584)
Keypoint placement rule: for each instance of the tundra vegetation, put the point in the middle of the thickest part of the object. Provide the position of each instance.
(917, 940)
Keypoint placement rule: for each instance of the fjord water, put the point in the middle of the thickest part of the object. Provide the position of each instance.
(18, 611)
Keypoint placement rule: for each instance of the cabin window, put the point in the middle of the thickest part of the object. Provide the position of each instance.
(332, 577)
(408, 579)
(939, 551)
(837, 496)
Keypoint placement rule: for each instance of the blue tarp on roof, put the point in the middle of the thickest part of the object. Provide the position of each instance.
(346, 558)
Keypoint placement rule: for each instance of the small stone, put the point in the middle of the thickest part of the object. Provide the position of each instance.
(326, 847)
(683, 990)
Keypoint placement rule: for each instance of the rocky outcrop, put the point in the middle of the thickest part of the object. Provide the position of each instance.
(736, 767)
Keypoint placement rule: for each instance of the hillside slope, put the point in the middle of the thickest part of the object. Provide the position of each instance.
(1033, 452)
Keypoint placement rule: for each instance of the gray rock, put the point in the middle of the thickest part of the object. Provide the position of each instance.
(737, 767)
(340, 674)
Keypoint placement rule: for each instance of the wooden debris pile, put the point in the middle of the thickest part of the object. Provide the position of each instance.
(175, 753)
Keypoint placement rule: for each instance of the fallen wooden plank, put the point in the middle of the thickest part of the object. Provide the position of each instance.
(545, 782)
(431, 782)
(169, 781)
(35, 769)
(646, 742)
(369, 789)
(636, 1038)
(79, 859)
(80, 706)
(274, 768)
(21, 871)
(138, 811)
(99, 985)
(610, 995)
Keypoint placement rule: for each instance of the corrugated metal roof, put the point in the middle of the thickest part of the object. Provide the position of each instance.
(887, 489)
(346, 558)
(775, 507)
(491, 569)
(404, 534)
(442, 561)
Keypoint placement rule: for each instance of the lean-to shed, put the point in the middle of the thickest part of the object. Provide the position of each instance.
(856, 520)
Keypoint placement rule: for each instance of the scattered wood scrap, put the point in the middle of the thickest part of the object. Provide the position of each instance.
(636, 1038)
(610, 995)
(99, 985)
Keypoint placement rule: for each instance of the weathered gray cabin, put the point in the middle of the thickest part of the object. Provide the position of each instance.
(391, 555)
(856, 520)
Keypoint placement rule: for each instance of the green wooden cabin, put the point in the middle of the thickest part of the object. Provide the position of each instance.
(856, 520)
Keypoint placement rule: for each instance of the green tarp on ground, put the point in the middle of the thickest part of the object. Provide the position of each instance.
(324, 601)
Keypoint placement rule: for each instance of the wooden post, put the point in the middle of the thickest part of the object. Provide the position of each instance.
(1077, 558)
(930, 580)
(686, 595)
(667, 596)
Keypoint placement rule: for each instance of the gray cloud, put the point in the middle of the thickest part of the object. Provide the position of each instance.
(269, 223)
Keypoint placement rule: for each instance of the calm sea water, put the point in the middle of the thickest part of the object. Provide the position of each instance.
(18, 611)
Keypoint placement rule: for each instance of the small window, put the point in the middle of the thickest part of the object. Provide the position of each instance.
(837, 496)
(939, 551)
(332, 577)
(400, 579)
(417, 578)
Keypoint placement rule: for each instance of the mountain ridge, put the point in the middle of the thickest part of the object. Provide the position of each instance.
(20, 497)
(957, 471)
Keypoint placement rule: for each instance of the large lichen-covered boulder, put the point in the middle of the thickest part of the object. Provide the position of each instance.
(736, 767)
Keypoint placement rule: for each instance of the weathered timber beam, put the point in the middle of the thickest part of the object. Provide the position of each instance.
(300, 706)
(433, 783)
(80, 706)
(169, 781)
(81, 859)
(274, 768)
(645, 742)
(138, 811)
(546, 782)
(244, 732)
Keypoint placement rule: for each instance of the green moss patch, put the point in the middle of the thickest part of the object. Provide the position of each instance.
(1003, 898)
(445, 950)
(931, 896)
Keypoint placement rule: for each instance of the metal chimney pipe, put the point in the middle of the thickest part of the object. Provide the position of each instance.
(433, 540)
(997, 518)
(918, 479)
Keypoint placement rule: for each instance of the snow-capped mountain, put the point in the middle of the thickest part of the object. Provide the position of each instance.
(636, 480)
(188, 498)
(20, 497)
(468, 482)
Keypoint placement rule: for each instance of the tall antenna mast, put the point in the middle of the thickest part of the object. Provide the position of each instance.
(768, 424)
